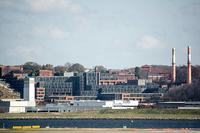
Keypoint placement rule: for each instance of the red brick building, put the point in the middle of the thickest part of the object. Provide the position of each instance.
(40, 94)
(45, 73)
(6, 69)
(146, 68)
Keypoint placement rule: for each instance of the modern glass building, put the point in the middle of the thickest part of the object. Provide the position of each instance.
(55, 86)
(86, 86)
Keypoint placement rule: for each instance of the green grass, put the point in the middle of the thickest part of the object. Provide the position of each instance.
(108, 113)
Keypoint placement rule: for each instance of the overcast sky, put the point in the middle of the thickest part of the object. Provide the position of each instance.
(113, 33)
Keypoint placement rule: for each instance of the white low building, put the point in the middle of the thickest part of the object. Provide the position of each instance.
(20, 105)
(120, 104)
(15, 105)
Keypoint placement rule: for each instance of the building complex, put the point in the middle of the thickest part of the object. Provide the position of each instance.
(114, 85)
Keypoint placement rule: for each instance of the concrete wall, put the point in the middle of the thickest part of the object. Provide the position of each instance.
(29, 89)
(13, 106)
(16, 109)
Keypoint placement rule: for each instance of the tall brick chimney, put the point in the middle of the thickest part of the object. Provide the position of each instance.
(173, 65)
(189, 74)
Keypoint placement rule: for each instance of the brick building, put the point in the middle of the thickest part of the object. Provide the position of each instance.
(45, 73)
(6, 69)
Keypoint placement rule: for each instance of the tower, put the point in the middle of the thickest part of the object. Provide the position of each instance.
(173, 65)
(189, 75)
(29, 89)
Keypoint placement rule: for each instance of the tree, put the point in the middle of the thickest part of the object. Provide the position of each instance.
(76, 68)
(195, 72)
(67, 65)
(101, 69)
(181, 74)
(185, 92)
(137, 72)
(59, 69)
(31, 68)
(47, 67)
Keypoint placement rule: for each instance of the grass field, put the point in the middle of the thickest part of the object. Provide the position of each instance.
(108, 113)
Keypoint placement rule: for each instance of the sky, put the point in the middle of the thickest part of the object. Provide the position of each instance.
(112, 33)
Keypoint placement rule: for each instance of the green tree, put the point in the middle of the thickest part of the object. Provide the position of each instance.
(31, 68)
(59, 69)
(137, 72)
(76, 68)
(47, 67)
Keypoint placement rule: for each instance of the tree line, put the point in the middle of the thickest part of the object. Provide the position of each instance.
(31, 68)
(184, 92)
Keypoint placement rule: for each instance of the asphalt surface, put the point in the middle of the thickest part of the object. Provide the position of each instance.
(105, 131)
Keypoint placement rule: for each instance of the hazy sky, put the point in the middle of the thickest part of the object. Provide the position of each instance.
(113, 33)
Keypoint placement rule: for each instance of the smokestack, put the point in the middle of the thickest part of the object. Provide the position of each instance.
(173, 66)
(189, 76)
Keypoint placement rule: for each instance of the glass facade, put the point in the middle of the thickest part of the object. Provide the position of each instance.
(55, 86)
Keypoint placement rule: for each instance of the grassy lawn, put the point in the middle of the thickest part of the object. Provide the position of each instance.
(108, 113)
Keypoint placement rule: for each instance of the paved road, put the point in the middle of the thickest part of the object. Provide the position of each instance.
(107, 131)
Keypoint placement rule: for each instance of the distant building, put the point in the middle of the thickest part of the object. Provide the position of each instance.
(19, 75)
(155, 73)
(20, 105)
(85, 86)
(163, 72)
(89, 82)
(114, 71)
(112, 82)
(155, 77)
(146, 68)
(125, 76)
(61, 98)
(29, 89)
(68, 74)
(6, 69)
(120, 104)
(45, 73)
(137, 82)
(121, 88)
(40, 94)
(179, 105)
(56, 87)
(15, 105)
(62, 88)
(116, 78)
(70, 106)
(114, 92)
(141, 97)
